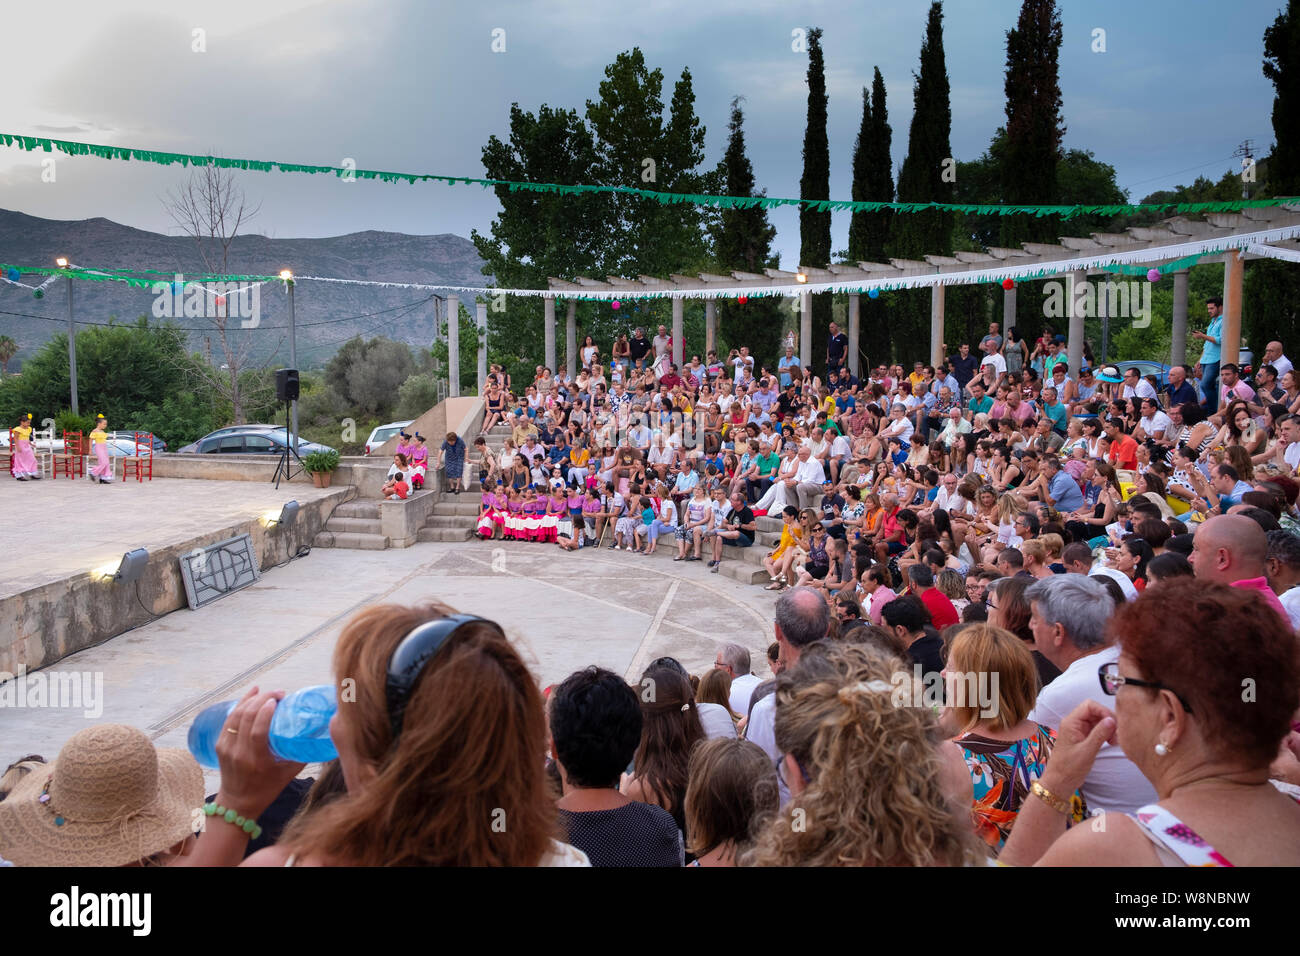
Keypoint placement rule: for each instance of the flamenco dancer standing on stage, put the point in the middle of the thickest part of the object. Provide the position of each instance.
(103, 470)
(23, 464)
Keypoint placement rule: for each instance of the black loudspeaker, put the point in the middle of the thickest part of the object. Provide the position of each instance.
(286, 384)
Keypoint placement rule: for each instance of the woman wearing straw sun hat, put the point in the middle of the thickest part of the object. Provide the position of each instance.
(109, 799)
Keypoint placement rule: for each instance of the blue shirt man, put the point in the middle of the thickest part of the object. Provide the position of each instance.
(1064, 490)
(787, 362)
(1212, 353)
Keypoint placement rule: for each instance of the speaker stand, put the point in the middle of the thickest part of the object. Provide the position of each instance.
(284, 469)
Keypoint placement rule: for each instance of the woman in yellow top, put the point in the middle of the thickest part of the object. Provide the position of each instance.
(23, 466)
(103, 470)
(779, 561)
(579, 460)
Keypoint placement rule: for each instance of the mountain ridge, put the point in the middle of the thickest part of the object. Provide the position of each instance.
(326, 314)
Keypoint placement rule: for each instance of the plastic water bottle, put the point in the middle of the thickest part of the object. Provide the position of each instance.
(300, 727)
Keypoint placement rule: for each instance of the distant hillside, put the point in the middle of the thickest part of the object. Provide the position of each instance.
(381, 256)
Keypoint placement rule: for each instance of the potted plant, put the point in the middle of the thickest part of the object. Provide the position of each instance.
(321, 465)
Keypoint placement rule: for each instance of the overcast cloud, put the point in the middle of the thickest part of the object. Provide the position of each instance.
(415, 87)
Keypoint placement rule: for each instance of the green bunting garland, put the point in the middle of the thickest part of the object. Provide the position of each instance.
(33, 143)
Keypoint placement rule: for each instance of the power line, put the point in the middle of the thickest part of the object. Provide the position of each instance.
(1179, 172)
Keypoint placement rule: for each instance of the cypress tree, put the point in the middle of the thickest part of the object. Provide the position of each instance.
(926, 176)
(742, 242)
(873, 181)
(1034, 129)
(815, 227)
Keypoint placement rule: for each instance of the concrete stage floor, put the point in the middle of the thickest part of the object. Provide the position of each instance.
(55, 528)
(562, 610)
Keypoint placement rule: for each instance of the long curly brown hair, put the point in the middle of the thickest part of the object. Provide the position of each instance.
(464, 783)
(874, 794)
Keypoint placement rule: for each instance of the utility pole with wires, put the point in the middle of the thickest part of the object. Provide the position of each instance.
(1246, 152)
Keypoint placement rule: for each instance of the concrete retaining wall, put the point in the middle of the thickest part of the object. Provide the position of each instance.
(401, 521)
(367, 474)
(50, 622)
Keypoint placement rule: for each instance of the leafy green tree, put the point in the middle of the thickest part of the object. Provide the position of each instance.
(121, 370)
(8, 349)
(366, 374)
(539, 235)
(815, 226)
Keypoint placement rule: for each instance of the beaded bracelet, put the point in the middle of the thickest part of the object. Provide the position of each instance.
(230, 816)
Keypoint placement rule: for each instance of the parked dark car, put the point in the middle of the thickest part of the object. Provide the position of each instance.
(228, 430)
(253, 443)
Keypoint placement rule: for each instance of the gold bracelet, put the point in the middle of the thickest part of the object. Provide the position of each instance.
(1049, 798)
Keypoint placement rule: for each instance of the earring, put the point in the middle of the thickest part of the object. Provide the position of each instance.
(1161, 750)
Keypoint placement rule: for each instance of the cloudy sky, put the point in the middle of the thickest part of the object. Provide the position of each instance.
(415, 86)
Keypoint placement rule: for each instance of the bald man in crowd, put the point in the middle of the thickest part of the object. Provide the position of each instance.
(1233, 549)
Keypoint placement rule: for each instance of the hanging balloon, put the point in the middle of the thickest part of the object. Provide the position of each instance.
(614, 304)
(1153, 275)
(742, 299)
(39, 294)
(178, 288)
(14, 275)
(1008, 283)
(221, 300)
(873, 293)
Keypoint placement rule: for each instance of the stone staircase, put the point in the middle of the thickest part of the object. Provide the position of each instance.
(454, 518)
(354, 524)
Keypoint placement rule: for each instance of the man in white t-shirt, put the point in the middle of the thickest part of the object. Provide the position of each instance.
(1069, 613)
(993, 357)
(1154, 423)
(735, 660)
(1135, 386)
(662, 342)
(1287, 448)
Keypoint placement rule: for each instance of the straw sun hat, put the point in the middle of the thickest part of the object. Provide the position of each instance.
(111, 798)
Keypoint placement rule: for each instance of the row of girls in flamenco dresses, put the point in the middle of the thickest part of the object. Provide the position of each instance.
(558, 514)
(414, 463)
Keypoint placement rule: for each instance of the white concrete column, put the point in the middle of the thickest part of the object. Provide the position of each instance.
(855, 330)
(1074, 341)
(1178, 346)
(1008, 309)
(571, 339)
(453, 346)
(482, 346)
(548, 305)
(679, 332)
(805, 329)
(1234, 269)
(710, 325)
(936, 323)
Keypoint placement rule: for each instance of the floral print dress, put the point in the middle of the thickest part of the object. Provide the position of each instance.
(1002, 773)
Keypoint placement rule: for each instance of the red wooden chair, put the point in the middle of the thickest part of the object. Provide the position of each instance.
(72, 460)
(140, 464)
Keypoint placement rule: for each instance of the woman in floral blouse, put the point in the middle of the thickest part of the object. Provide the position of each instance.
(1004, 750)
